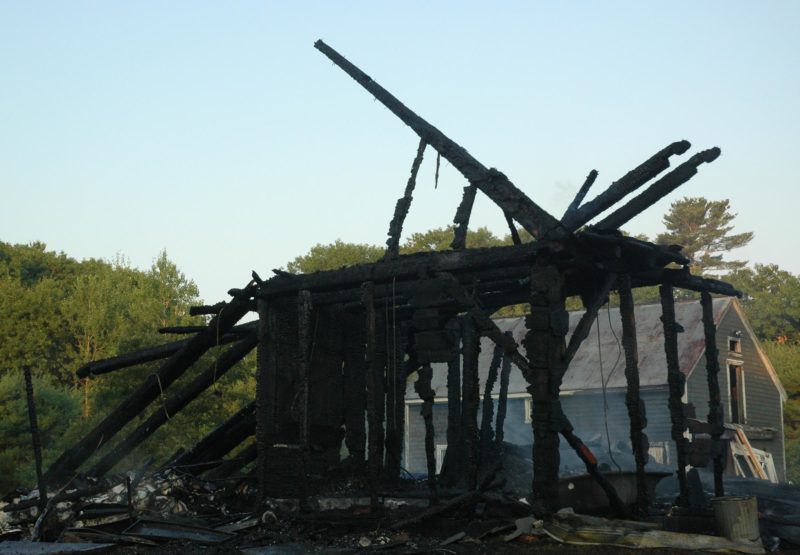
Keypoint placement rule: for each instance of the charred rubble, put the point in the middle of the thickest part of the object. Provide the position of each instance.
(335, 350)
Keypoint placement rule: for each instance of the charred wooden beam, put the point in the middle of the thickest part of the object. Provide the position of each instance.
(512, 229)
(502, 401)
(491, 182)
(221, 440)
(375, 458)
(266, 388)
(716, 418)
(234, 464)
(569, 213)
(355, 371)
(206, 309)
(590, 462)
(397, 342)
(454, 458)
(487, 412)
(148, 392)
(426, 393)
(547, 324)
(675, 381)
(181, 330)
(174, 404)
(636, 409)
(658, 190)
(586, 322)
(461, 219)
(626, 184)
(402, 206)
(35, 438)
(305, 341)
(97, 367)
(470, 395)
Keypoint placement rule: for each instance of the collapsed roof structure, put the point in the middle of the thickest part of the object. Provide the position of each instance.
(336, 348)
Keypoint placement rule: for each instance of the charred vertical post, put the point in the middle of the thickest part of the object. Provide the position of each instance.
(502, 401)
(454, 459)
(636, 408)
(470, 397)
(715, 416)
(266, 379)
(402, 206)
(487, 413)
(548, 324)
(675, 382)
(355, 370)
(395, 396)
(35, 438)
(305, 339)
(373, 424)
(426, 393)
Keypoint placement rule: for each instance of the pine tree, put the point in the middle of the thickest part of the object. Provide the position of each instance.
(703, 227)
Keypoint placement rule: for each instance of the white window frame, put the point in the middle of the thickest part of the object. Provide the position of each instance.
(739, 364)
(528, 410)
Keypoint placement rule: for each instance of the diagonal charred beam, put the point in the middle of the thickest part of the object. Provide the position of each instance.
(658, 190)
(402, 206)
(229, 466)
(149, 391)
(587, 320)
(98, 367)
(626, 184)
(569, 213)
(222, 439)
(492, 183)
(175, 404)
(512, 229)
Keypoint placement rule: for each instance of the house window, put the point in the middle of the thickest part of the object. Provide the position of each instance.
(735, 345)
(528, 410)
(736, 400)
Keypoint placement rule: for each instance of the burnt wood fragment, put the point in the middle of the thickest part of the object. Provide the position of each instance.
(658, 190)
(233, 464)
(512, 229)
(716, 418)
(502, 401)
(626, 184)
(402, 206)
(491, 182)
(487, 412)
(547, 324)
(222, 439)
(305, 337)
(426, 393)
(675, 381)
(150, 390)
(636, 415)
(206, 309)
(579, 196)
(97, 367)
(461, 219)
(174, 404)
(375, 458)
(470, 394)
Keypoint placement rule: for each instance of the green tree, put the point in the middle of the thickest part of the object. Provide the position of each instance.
(333, 256)
(785, 358)
(771, 301)
(703, 227)
(57, 410)
(439, 239)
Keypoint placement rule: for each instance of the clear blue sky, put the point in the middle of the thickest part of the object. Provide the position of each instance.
(216, 131)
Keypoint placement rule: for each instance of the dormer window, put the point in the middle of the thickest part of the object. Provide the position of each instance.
(735, 345)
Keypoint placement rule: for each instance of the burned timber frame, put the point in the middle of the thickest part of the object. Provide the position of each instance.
(337, 348)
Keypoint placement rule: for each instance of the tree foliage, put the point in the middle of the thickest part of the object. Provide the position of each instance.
(703, 227)
(771, 301)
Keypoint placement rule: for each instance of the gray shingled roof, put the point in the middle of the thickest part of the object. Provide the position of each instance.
(584, 372)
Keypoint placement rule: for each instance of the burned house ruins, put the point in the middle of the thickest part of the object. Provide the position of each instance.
(336, 349)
